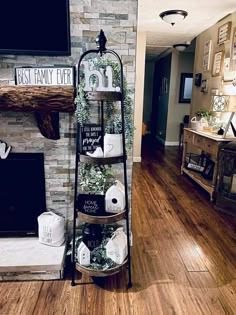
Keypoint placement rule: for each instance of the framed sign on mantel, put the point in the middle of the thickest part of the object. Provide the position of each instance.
(45, 76)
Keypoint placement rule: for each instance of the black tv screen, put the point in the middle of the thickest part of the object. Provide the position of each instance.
(35, 27)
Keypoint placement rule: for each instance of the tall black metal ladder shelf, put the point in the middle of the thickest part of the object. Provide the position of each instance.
(81, 158)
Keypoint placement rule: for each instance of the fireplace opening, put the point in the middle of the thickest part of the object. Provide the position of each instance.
(22, 193)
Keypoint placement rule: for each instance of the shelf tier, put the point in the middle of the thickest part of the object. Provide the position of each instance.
(204, 183)
(104, 96)
(100, 273)
(101, 219)
(101, 161)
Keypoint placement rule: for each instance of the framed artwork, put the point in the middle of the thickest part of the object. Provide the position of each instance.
(224, 33)
(185, 91)
(198, 79)
(218, 63)
(206, 55)
(204, 86)
(90, 138)
(234, 45)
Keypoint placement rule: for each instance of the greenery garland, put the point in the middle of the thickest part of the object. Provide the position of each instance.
(112, 114)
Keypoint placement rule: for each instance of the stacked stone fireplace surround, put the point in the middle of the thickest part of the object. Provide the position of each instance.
(19, 129)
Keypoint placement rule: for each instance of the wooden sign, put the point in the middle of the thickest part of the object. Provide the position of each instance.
(41, 76)
(4, 150)
(218, 63)
(91, 204)
(90, 138)
(224, 33)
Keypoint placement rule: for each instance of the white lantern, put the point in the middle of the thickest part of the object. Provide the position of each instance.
(113, 145)
(115, 197)
(51, 229)
(116, 248)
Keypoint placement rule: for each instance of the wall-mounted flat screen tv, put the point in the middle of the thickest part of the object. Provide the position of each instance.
(35, 27)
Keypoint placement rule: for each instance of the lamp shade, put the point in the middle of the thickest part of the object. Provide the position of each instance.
(173, 16)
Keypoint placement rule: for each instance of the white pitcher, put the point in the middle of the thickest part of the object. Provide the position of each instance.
(195, 124)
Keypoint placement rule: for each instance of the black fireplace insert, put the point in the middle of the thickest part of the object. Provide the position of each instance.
(22, 193)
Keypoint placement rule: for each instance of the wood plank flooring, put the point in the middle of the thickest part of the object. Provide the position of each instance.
(183, 256)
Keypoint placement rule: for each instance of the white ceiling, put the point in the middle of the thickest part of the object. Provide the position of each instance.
(202, 14)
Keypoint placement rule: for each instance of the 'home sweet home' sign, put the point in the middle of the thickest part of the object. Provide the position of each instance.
(4, 150)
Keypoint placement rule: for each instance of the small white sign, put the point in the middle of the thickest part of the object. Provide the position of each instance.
(63, 76)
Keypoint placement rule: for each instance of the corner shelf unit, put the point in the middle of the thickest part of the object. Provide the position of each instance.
(101, 97)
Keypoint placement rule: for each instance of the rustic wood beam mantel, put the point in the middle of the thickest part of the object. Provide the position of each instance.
(45, 101)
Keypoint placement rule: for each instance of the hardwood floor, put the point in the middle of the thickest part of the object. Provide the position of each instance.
(183, 256)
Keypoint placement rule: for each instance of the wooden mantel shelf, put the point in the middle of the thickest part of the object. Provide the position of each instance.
(45, 101)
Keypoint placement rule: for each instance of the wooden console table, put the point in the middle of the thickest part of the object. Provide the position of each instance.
(210, 144)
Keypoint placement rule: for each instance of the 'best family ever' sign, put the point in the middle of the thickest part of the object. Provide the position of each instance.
(44, 76)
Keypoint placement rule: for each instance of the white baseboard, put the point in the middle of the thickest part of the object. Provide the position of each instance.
(167, 143)
(137, 159)
(171, 143)
(159, 139)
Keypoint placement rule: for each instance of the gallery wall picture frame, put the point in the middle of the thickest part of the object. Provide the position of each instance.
(218, 62)
(198, 79)
(224, 32)
(233, 53)
(185, 90)
(206, 55)
(204, 86)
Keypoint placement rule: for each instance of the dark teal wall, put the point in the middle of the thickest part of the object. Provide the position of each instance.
(161, 98)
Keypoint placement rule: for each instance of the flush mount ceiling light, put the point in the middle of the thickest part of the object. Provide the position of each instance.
(173, 16)
(180, 47)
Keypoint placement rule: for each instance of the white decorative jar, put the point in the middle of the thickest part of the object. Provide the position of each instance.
(113, 145)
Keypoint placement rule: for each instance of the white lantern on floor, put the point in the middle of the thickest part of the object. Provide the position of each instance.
(51, 229)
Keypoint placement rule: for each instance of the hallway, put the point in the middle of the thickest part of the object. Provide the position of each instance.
(183, 256)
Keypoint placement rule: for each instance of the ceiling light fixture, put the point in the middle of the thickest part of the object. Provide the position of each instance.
(180, 47)
(173, 16)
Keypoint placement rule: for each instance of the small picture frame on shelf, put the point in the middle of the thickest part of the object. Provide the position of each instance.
(91, 204)
(90, 138)
(224, 33)
(218, 63)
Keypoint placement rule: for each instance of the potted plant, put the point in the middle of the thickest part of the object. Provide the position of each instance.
(204, 113)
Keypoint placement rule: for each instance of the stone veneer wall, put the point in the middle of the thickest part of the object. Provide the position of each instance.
(118, 20)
